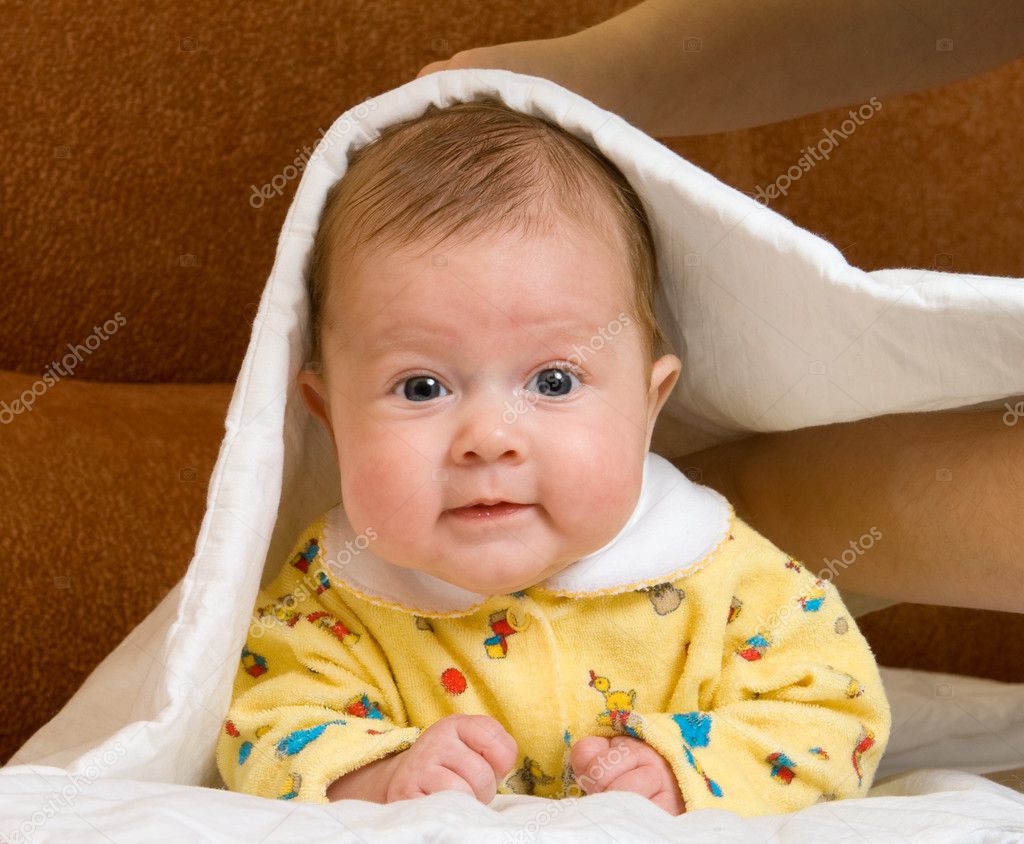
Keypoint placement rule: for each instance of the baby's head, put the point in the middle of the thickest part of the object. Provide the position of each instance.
(482, 287)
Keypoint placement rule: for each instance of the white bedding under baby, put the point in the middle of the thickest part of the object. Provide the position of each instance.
(939, 721)
(775, 330)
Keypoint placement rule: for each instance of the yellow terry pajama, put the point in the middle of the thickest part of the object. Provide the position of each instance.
(745, 671)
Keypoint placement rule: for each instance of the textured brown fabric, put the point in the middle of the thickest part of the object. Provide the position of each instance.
(133, 134)
(132, 138)
(104, 489)
(949, 639)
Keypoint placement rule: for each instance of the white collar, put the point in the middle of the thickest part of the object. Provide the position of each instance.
(673, 530)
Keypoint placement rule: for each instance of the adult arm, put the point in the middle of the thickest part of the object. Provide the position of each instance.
(687, 67)
(945, 490)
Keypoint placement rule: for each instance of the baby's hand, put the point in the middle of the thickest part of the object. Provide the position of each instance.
(469, 753)
(638, 768)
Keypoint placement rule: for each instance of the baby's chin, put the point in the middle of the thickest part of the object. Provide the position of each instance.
(505, 580)
(493, 586)
(499, 568)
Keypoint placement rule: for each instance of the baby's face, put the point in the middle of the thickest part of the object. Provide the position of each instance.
(445, 382)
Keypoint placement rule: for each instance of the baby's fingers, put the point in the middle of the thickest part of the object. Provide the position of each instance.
(644, 780)
(671, 801)
(583, 755)
(597, 766)
(440, 778)
(475, 771)
(488, 738)
(654, 780)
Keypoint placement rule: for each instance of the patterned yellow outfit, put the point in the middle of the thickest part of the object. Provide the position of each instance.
(732, 660)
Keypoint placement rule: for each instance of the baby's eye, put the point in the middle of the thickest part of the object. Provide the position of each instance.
(420, 388)
(555, 381)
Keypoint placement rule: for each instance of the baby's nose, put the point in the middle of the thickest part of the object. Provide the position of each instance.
(491, 429)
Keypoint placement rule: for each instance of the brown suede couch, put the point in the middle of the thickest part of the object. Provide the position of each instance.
(134, 137)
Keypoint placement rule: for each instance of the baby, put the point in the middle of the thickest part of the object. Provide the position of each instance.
(515, 595)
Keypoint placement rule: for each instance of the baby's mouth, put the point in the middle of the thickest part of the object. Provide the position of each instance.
(488, 512)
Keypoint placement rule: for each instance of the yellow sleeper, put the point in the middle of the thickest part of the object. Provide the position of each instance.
(744, 670)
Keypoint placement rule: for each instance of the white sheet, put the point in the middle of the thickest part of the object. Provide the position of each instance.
(935, 807)
(775, 329)
(936, 717)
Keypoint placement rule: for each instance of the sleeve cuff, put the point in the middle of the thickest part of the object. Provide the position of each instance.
(680, 739)
(309, 760)
(348, 754)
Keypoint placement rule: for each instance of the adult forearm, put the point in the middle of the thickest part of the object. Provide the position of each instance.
(941, 496)
(686, 67)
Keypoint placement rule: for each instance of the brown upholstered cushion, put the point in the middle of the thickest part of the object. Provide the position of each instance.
(104, 489)
(949, 639)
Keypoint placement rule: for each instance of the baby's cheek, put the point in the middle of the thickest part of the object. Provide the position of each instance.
(383, 487)
(604, 478)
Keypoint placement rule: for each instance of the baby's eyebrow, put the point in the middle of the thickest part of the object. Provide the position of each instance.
(560, 331)
(389, 340)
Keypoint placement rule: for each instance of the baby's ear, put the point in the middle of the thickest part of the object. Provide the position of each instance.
(314, 395)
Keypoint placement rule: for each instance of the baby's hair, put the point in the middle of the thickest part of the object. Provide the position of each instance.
(466, 169)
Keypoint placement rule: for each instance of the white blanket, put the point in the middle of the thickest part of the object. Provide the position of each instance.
(939, 721)
(776, 331)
